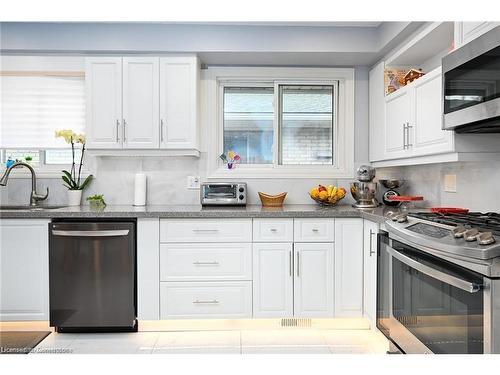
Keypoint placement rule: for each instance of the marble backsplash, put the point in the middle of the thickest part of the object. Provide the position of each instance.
(166, 182)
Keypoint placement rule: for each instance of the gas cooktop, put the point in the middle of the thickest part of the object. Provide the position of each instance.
(484, 222)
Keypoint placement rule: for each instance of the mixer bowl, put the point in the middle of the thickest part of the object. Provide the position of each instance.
(364, 193)
(392, 183)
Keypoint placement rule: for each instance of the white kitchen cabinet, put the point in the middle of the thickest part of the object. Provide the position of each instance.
(314, 230)
(348, 267)
(377, 112)
(313, 281)
(140, 122)
(370, 230)
(467, 31)
(24, 266)
(179, 77)
(103, 86)
(398, 117)
(426, 133)
(272, 230)
(272, 280)
(142, 103)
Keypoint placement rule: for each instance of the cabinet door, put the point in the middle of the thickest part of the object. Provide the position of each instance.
(427, 134)
(272, 280)
(468, 31)
(398, 113)
(141, 114)
(348, 267)
(377, 111)
(178, 102)
(313, 283)
(103, 82)
(370, 230)
(24, 259)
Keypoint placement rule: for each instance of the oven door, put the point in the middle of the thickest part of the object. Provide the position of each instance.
(427, 305)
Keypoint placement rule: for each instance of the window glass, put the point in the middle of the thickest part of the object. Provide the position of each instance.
(62, 156)
(248, 123)
(306, 124)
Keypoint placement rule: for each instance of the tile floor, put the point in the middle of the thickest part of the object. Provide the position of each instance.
(293, 341)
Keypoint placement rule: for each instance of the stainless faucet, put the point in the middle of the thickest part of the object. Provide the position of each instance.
(34, 197)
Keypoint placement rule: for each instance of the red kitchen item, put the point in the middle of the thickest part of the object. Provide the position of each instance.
(406, 198)
(449, 210)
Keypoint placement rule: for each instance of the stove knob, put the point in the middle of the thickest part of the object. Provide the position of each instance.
(485, 238)
(471, 234)
(459, 231)
(403, 218)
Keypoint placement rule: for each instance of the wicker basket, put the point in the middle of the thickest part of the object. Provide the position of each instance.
(272, 200)
(325, 203)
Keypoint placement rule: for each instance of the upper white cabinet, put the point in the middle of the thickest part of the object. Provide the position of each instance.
(103, 81)
(467, 31)
(142, 103)
(348, 267)
(140, 122)
(179, 79)
(24, 267)
(398, 115)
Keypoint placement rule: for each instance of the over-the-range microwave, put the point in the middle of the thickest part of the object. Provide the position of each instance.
(471, 86)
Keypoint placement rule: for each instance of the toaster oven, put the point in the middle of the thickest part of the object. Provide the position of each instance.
(223, 194)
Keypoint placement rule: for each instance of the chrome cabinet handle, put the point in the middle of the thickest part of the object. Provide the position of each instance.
(408, 127)
(298, 264)
(371, 242)
(315, 230)
(117, 130)
(161, 130)
(124, 125)
(209, 302)
(205, 230)
(90, 233)
(436, 274)
(214, 263)
(273, 230)
(404, 136)
(290, 265)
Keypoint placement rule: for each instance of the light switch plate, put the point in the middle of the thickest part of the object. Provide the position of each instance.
(450, 183)
(193, 182)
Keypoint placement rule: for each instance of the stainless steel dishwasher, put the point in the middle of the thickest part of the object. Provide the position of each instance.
(92, 276)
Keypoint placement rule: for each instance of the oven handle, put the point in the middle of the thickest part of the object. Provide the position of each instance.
(432, 272)
(90, 233)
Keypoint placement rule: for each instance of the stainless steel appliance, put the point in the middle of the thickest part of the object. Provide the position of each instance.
(223, 194)
(392, 185)
(365, 190)
(438, 282)
(471, 86)
(92, 275)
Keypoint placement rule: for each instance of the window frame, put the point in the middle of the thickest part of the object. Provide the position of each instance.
(216, 78)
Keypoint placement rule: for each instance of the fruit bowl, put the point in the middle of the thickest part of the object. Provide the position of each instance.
(327, 196)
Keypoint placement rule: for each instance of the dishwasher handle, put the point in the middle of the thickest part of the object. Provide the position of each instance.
(91, 233)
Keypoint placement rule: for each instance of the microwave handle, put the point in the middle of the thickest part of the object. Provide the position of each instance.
(432, 272)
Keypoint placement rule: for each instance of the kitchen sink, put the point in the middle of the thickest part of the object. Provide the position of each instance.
(29, 208)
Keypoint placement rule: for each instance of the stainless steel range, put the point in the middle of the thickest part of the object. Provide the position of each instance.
(438, 282)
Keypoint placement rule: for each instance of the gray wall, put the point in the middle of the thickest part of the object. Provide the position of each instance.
(114, 176)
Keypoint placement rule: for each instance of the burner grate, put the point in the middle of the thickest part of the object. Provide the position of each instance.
(489, 221)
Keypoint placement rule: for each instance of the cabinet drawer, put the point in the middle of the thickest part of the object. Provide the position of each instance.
(206, 299)
(314, 230)
(273, 230)
(205, 230)
(205, 261)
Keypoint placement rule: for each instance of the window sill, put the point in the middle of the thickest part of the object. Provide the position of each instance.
(40, 173)
(270, 172)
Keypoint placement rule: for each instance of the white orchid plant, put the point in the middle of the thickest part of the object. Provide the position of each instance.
(72, 179)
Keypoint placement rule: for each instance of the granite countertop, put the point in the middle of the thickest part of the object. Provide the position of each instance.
(197, 211)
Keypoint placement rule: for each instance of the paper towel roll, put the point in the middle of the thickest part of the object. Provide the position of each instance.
(140, 190)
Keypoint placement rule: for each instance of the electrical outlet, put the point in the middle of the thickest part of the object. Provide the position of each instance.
(450, 183)
(193, 182)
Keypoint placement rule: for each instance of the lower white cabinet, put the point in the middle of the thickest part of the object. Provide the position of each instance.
(313, 282)
(348, 267)
(272, 280)
(206, 299)
(370, 230)
(24, 265)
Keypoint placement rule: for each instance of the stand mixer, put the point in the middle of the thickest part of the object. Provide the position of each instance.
(365, 190)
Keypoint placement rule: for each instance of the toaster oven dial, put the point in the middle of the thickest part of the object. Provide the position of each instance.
(241, 189)
(241, 197)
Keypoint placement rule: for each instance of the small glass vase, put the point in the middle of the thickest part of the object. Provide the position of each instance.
(74, 197)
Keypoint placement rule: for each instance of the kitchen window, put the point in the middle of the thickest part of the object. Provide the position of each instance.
(283, 122)
(33, 106)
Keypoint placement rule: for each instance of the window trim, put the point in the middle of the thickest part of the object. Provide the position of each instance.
(215, 78)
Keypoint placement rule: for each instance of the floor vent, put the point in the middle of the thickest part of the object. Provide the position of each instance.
(296, 322)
